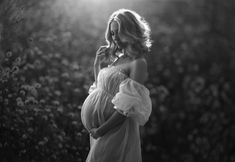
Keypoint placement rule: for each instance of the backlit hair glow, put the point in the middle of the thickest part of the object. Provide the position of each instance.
(133, 29)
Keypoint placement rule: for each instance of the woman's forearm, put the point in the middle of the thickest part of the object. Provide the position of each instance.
(96, 69)
(112, 122)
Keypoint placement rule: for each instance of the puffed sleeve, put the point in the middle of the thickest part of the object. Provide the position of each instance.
(92, 88)
(133, 101)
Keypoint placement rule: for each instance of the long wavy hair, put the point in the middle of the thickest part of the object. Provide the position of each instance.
(133, 30)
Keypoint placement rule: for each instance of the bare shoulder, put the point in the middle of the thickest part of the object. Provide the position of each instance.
(140, 62)
(138, 70)
(139, 65)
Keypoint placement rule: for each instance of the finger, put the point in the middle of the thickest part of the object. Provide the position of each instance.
(101, 53)
(102, 49)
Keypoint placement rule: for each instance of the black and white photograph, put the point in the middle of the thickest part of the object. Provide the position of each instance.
(117, 81)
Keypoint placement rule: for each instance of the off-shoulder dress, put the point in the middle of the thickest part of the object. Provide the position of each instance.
(116, 91)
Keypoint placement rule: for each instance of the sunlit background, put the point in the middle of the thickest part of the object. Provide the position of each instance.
(91, 16)
(47, 51)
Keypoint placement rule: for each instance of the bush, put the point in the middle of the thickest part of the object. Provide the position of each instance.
(46, 70)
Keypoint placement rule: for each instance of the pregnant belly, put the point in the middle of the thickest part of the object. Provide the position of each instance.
(96, 109)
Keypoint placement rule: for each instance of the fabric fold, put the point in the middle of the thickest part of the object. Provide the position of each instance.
(133, 101)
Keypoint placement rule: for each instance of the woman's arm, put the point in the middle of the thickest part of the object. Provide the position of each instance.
(96, 69)
(100, 56)
(115, 120)
(138, 70)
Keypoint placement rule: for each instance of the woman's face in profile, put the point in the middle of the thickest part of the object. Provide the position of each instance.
(114, 28)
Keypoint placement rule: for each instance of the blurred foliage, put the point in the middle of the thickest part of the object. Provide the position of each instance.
(46, 69)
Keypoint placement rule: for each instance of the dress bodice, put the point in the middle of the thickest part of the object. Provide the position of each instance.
(109, 79)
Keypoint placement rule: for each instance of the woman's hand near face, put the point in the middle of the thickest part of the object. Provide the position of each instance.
(101, 55)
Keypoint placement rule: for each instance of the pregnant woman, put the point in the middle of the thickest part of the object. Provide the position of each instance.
(118, 102)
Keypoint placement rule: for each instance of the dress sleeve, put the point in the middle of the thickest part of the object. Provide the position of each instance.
(92, 88)
(133, 101)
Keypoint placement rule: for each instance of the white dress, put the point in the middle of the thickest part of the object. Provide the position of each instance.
(115, 90)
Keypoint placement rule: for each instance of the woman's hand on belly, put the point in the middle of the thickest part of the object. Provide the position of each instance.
(115, 120)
